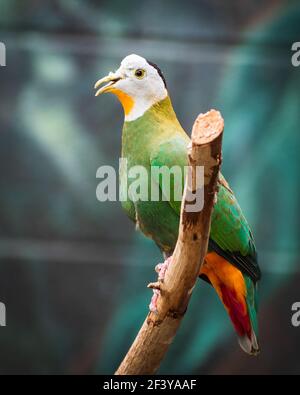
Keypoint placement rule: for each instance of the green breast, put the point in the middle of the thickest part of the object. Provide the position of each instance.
(140, 139)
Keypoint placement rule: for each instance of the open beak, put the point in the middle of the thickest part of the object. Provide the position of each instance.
(111, 78)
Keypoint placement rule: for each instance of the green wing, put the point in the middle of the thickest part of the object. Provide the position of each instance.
(230, 233)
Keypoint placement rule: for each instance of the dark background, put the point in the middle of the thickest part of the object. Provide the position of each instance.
(73, 271)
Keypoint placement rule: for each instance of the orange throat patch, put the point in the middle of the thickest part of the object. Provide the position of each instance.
(126, 100)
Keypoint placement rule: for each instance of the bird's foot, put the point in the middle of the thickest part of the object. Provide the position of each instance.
(154, 299)
(161, 269)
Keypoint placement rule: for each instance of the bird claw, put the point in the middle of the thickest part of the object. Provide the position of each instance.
(153, 303)
(161, 269)
(158, 267)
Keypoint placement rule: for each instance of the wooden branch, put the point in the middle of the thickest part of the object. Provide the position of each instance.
(158, 330)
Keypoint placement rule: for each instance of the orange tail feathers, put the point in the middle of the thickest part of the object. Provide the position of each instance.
(229, 284)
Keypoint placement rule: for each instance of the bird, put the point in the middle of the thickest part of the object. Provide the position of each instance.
(153, 136)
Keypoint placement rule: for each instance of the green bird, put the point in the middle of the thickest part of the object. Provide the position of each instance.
(152, 136)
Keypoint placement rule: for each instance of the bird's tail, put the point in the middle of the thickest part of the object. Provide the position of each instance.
(243, 314)
(237, 292)
(251, 300)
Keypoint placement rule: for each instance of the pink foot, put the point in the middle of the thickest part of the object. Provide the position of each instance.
(154, 299)
(161, 269)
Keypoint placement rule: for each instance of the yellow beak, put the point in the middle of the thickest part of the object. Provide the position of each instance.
(111, 78)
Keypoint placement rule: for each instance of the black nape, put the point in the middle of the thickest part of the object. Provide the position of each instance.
(159, 72)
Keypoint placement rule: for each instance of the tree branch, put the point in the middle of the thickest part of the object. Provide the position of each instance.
(159, 329)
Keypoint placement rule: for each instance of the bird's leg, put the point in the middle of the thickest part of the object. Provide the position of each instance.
(161, 269)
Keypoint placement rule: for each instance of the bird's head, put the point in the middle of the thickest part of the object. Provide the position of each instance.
(138, 84)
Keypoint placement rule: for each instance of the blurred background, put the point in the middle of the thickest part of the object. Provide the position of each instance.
(73, 271)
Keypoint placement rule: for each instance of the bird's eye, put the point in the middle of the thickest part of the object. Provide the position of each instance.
(140, 73)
